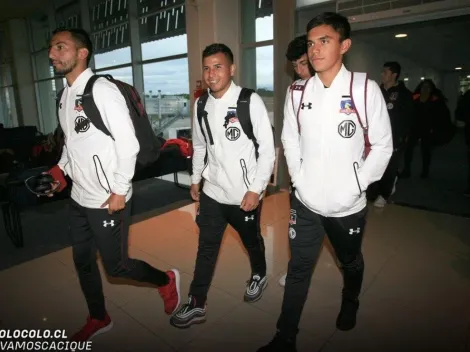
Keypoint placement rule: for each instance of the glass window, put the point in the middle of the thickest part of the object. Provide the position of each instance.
(5, 75)
(69, 15)
(122, 74)
(113, 58)
(41, 33)
(167, 97)
(165, 47)
(257, 20)
(46, 91)
(44, 69)
(163, 33)
(263, 79)
(7, 108)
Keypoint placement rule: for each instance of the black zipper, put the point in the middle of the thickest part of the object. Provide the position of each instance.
(245, 173)
(95, 157)
(205, 166)
(355, 167)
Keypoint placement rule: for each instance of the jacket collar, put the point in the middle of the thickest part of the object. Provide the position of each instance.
(82, 79)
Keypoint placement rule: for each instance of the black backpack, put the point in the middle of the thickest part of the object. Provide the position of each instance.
(243, 115)
(149, 143)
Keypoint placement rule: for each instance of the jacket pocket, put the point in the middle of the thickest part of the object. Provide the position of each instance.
(245, 173)
(356, 167)
(98, 169)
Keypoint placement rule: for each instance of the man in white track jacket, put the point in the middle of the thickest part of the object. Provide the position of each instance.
(236, 172)
(332, 157)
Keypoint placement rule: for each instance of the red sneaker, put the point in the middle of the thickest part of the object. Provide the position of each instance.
(171, 292)
(92, 328)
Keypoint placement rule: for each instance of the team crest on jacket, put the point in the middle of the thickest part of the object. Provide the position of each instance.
(78, 105)
(347, 107)
(231, 117)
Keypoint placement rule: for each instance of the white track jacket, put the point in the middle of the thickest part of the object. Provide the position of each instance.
(97, 165)
(232, 169)
(325, 160)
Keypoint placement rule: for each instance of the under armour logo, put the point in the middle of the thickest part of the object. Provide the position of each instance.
(309, 106)
(111, 223)
(249, 218)
(352, 231)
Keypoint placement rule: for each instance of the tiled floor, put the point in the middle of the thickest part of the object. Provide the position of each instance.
(416, 294)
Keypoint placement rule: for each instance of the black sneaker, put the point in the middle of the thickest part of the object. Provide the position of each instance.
(347, 316)
(254, 288)
(278, 344)
(188, 314)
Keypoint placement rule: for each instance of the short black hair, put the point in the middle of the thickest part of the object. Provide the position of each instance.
(297, 48)
(218, 48)
(81, 37)
(394, 67)
(339, 23)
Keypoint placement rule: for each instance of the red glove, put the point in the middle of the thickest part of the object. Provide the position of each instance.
(58, 176)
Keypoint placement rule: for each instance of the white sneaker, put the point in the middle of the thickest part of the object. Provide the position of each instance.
(380, 202)
(282, 280)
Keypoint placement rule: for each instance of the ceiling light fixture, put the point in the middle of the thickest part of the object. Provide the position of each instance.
(422, 78)
(406, 79)
(458, 68)
(401, 35)
(468, 76)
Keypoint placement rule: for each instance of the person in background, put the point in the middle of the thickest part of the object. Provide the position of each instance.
(297, 55)
(400, 108)
(431, 112)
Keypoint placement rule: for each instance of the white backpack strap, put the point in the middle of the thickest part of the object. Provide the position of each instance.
(297, 90)
(358, 92)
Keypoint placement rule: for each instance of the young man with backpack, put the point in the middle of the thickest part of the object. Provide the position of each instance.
(336, 144)
(297, 54)
(234, 154)
(101, 166)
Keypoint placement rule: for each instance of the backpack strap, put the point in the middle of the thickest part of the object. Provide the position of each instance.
(358, 92)
(202, 115)
(58, 98)
(243, 113)
(297, 90)
(90, 108)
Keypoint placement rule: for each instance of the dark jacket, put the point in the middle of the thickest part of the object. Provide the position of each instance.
(401, 109)
(433, 120)
(462, 113)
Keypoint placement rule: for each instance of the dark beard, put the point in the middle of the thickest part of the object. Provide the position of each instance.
(66, 70)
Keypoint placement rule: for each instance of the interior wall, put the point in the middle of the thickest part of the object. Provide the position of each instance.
(207, 22)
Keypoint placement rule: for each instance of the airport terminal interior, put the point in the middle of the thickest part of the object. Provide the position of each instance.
(416, 289)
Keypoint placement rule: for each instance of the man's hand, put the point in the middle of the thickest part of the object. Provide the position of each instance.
(195, 192)
(54, 186)
(250, 201)
(115, 203)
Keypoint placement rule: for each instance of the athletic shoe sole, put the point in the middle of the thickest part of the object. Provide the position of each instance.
(187, 325)
(177, 280)
(102, 331)
(248, 299)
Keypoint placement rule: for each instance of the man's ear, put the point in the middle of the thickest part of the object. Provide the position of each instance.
(83, 53)
(345, 45)
(233, 68)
